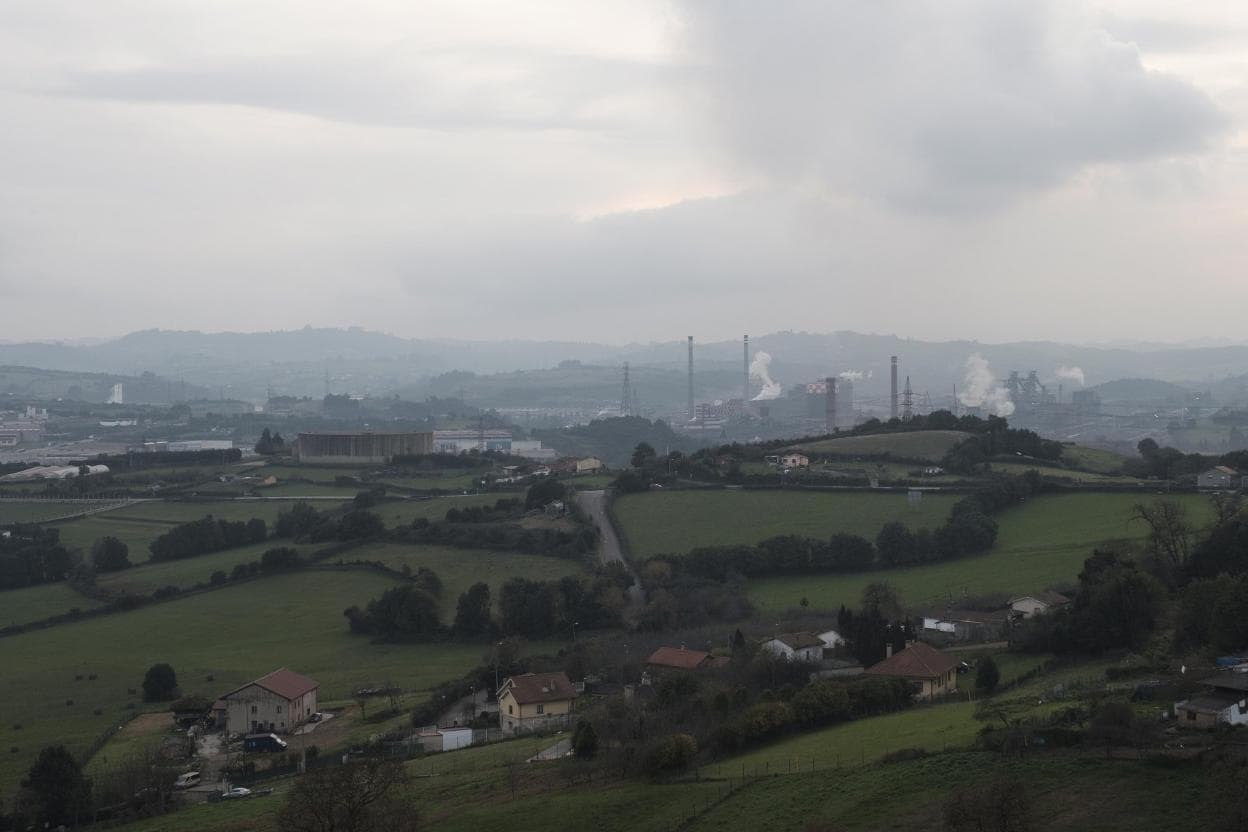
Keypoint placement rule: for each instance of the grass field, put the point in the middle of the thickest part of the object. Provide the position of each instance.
(929, 445)
(146, 577)
(1040, 544)
(1092, 459)
(232, 635)
(461, 568)
(677, 521)
(34, 603)
(43, 511)
(185, 511)
(404, 512)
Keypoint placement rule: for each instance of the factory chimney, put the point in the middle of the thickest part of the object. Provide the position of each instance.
(829, 404)
(690, 418)
(893, 408)
(745, 383)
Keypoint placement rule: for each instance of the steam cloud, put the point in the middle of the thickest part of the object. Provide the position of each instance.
(1069, 374)
(760, 370)
(854, 375)
(980, 388)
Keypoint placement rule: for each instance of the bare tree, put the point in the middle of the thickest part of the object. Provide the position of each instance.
(357, 797)
(1169, 532)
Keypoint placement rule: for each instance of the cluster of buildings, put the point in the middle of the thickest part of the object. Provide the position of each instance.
(381, 447)
(21, 427)
(53, 472)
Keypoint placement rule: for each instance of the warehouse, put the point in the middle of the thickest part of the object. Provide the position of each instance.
(362, 448)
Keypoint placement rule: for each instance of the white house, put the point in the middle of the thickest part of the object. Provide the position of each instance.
(277, 702)
(795, 460)
(589, 465)
(802, 647)
(1038, 604)
(831, 638)
(1224, 700)
(1220, 477)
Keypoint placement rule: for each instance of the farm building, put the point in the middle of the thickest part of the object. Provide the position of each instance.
(444, 739)
(1220, 477)
(678, 658)
(1224, 700)
(589, 465)
(935, 672)
(364, 448)
(966, 625)
(795, 461)
(277, 702)
(831, 638)
(800, 647)
(535, 702)
(1038, 604)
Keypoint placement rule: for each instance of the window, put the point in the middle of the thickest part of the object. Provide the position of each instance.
(1191, 715)
(254, 709)
(508, 709)
(541, 709)
(279, 709)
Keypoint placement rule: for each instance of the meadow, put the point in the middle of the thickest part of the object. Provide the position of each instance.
(215, 641)
(673, 522)
(146, 577)
(929, 445)
(1040, 544)
(35, 603)
(461, 568)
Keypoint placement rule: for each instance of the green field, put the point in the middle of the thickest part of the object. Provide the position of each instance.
(43, 511)
(930, 445)
(233, 634)
(1092, 459)
(146, 577)
(674, 522)
(1040, 544)
(184, 511)
(35, 603)
(402, 513)
(461, 568)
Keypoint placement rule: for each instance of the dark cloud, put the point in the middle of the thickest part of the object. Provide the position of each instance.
(936, 105)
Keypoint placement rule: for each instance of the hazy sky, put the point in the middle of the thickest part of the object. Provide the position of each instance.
(625, 171)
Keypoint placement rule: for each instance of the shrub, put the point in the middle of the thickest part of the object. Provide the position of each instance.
(160, 684)
(671, 753)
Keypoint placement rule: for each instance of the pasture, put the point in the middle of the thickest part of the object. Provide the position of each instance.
(461, 568)
(215, 641)
(146, 577)
(927, 445)
(35, 603)
(673, 522)
(1040, 544)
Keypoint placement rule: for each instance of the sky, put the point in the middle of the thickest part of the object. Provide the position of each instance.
(625, 171)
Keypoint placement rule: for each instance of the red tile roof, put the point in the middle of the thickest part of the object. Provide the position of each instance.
(531, 688)
(678, 657)
(918, 661)
(285, 683)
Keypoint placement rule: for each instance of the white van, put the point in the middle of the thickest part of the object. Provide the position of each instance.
(186, 781)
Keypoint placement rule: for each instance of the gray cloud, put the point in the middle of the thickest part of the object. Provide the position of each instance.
(937, 105)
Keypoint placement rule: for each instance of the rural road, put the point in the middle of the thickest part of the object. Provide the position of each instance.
(594, 503)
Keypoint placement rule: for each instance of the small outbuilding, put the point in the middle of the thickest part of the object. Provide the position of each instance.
(1038, 604)
(800, 647)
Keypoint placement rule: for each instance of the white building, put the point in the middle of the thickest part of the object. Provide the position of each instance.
(278, 702)
(1223, 701)
(461, 441)
(802, 647)
(1038, 604)
(831, 638)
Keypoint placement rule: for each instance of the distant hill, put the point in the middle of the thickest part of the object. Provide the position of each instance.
(34, 383)
(930, 445)
(1140, 390)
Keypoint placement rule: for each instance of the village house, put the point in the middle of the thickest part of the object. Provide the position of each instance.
(678, 658)
(1042, 602)
(935, 673)
(795, 460)
(831, 639)
(278, 702)
(589, 465)
(1219, 478)
(1224, 700)
(535, 702)
(801, 647)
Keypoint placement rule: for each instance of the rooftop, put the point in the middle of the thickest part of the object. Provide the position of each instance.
(1227, 680)
(531, 688)
(799, 641)
(677, 657)
(285, 683)
(918, 661)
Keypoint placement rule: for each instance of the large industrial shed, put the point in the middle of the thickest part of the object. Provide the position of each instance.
(367, 447)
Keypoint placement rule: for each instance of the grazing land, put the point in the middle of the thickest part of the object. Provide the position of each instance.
(35, 603)
(231, 635)
(929, 445)
(148, 577)
(402, 513)
(461, 568)
(674, 522)
(1042, 543)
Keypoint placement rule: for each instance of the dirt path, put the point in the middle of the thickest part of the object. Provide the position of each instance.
(594, 504)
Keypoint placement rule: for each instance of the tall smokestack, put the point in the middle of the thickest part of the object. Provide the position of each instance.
(690, 378)
(893, 401)
(829, 404)
(745, 383)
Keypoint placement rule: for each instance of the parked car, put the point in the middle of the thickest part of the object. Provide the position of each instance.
(186, 781)
(316, 717)
(236, 793)
(264, 743)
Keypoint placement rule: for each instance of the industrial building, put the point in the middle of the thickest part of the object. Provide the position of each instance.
(364, 447)
(459, 441)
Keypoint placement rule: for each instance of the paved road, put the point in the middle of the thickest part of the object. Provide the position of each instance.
(594, 503)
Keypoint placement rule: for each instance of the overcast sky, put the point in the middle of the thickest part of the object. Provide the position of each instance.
(625, 171)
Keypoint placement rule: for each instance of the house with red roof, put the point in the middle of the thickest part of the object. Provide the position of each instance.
(535, 702)
(278, 703)
(935, 672)
(678, 658)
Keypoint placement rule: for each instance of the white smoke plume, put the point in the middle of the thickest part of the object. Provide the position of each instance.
(760, 370)
(1069, 374)
(854, 375)
(980, 388)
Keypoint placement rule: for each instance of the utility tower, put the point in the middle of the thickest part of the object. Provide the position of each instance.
(691, 407)
(626, 395)
(907, 402)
